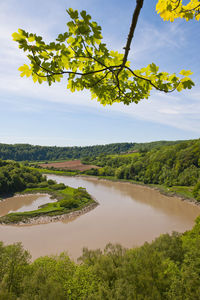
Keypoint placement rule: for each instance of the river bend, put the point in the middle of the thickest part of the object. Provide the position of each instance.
(128, 214)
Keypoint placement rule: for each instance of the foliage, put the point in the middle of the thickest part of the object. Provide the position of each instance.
(166, 269)
(173, 165)
(81, 55)
(13, 265)
(15, 177)
(196, 191)
(25, 152)
(170, 10)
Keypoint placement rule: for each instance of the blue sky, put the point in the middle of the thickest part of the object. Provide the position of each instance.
(42, 115)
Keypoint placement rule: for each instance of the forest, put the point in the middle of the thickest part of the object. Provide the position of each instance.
(23, 152)
(166, 269)
(15, 177)
(172, 165)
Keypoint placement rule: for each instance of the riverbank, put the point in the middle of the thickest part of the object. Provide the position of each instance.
(182, 192)
(70, 201)
(44, 219)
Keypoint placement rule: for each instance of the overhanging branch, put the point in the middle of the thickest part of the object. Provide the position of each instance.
(132, 30)
(115, 70)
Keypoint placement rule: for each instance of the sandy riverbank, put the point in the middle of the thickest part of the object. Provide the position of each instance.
(68, 216)
(49, 219)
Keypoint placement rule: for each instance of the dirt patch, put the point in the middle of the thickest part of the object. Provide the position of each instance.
(69, 165)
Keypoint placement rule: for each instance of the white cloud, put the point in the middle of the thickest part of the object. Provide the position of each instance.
(151, 41)
(178, 111)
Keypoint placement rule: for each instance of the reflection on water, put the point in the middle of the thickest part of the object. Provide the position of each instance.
(127, 214)
(21, 203)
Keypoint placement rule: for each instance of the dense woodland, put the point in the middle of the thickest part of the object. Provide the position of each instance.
(15, 177)
(166, 269)
(174, 165)
(22, 152)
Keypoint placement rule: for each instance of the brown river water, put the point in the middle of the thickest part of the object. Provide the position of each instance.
(21, 203)
(128, 214)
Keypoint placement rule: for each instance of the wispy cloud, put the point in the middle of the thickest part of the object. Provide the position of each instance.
(176, 111)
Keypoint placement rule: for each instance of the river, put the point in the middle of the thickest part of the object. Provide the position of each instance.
(127, 214)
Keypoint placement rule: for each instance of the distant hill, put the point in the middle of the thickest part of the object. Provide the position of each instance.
(144, 147)
(22, 152)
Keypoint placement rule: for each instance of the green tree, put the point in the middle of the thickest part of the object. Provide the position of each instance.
(13, 265)
(84, 58)
(196, 191)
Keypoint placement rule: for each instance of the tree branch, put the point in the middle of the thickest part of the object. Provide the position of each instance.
(116, 69)
(179, 1)
(148, 80)
(132, 30)
(71, 72)
(98, 81)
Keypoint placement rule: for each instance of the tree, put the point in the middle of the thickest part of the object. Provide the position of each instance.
(13, 266)
(80, 54)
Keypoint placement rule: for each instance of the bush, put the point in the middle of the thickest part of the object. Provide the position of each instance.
(68, 204)
(51, 182)
(58, 186)
(31, 185)
(196, 191)
(43, 184)
(80, 193)
(91, 172)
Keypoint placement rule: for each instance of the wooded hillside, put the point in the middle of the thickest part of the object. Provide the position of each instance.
(22, 152)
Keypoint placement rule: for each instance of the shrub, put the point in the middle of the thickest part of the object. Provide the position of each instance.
(43, 184)
(196, 191)
(51, 182)
(31, 185)
(68, 204)
(58, 186)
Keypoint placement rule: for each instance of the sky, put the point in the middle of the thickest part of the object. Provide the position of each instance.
(42, 115)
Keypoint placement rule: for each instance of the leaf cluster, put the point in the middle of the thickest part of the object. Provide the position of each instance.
(170, 10)
(80, 54)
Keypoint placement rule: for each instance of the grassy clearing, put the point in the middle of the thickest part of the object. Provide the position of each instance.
(183, 191)
(48, 161)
